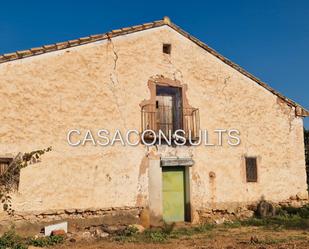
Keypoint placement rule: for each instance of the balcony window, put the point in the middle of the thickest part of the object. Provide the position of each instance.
(168, 113)
(168, 109)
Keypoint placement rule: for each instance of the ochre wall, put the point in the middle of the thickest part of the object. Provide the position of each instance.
(100, 86)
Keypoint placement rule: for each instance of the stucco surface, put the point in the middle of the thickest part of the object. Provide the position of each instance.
(100, 86)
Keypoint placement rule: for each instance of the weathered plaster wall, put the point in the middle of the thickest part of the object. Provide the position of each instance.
(101, 85)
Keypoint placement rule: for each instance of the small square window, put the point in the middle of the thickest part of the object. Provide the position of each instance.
(251, 169)
(167, 48)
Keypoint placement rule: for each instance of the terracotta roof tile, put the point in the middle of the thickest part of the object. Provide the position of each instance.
(148, 25)
(126, 29)
(85, 39)
(49, 48)
(74, 42)
(24, 53)
(115, 31)
(11, 56)
(98, 36)
(62, 45)
(38, 50)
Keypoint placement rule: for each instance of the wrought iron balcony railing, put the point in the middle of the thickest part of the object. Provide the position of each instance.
(162, 118)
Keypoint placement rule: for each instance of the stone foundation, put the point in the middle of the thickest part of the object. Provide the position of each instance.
(220, 215)
(31, 223)
(27, 223)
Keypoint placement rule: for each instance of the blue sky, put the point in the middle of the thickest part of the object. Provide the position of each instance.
(270, 39)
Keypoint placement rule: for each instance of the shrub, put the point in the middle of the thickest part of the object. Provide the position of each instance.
(279, 221)
(128, 231)
(46, 241)
(303, 212)
(168, 228)
(156, 236)
(11, 240)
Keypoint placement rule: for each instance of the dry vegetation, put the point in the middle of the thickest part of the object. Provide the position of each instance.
(288, 229)
(215, 238)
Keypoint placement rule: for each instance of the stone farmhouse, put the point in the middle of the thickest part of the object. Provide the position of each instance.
(154, 77)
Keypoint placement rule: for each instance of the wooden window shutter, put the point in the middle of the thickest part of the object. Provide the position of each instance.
(251, 169)
(4, 165)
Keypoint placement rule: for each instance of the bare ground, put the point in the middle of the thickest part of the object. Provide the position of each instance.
(225, 238)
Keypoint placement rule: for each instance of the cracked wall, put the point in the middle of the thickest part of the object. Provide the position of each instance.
(100, 85)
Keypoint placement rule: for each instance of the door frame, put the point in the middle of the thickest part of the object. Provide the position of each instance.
(155, 204)
(186, 181)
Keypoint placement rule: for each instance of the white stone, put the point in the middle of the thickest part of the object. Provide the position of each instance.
(60, 226)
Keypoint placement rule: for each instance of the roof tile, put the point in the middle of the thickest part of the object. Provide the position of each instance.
(24, 53)
(98, 36)
(116, 31)
(37, 50)
(74, 42)
(49, 48)
(147, 25)
(11, 56)
(84, 39)
(62, 45)
(126, 29)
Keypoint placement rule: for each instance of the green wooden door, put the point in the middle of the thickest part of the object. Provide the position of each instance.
(173, 194)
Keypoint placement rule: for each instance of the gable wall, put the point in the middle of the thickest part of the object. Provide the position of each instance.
(100, 85)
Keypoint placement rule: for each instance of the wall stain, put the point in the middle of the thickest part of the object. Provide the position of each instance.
(212, 184)
(141, 198)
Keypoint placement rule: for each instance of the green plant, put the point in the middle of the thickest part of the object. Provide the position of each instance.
(272, 241)
(205, 227)
(10, 179)
(127, 235)
(128, 231)
(184, 231)
(279, 221)
(46, 241)
(149, 236)
(168, 227)
(303, 212)
(12, 240)
(156, 236)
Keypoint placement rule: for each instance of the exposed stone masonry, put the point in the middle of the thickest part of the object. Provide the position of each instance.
(53, 215)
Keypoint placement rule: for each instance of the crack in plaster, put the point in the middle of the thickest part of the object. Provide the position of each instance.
(115, 82)
(225, 83)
